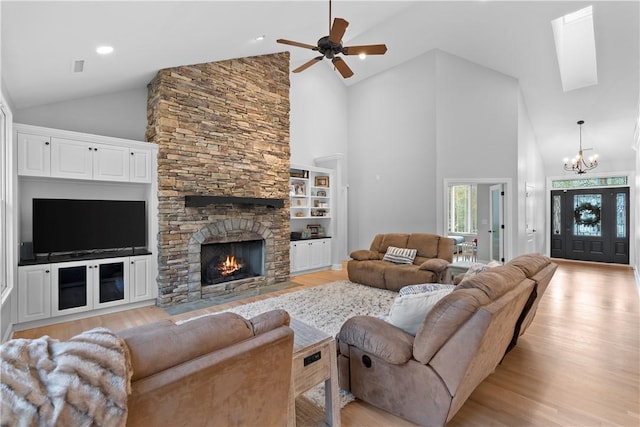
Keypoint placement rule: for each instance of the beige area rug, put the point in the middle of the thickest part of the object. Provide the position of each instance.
(325, 307)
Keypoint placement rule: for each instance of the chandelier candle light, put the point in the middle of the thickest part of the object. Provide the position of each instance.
(578, 163)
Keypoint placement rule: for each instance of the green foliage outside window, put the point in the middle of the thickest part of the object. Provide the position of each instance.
(463, 208)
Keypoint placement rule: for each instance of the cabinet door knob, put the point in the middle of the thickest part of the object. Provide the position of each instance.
(132, 154)
(131, 262)
(90, 148)
(46, 143)
(46, 271)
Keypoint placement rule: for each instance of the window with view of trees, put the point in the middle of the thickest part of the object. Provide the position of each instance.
(463, 211)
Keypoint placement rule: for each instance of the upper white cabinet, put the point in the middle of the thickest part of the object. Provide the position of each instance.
(80, 156)
(34, 155)
(139, 165)
(82, 160)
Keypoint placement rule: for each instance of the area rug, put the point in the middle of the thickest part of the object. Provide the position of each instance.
(325, 307)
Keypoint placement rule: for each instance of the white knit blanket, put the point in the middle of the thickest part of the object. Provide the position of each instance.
(84, 381)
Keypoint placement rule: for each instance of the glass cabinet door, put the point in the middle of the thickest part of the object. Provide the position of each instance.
(72, 289)
(111, 278)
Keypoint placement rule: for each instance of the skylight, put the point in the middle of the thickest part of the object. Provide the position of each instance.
(576, 49)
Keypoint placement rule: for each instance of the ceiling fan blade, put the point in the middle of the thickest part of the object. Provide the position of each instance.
(337, 30)
(308, 64)
(298, 44)
(370, 49)
(342, 67)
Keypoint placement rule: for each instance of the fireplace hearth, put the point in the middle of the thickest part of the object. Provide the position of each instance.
(225, 262)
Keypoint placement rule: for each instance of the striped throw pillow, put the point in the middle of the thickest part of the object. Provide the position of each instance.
(400, 255)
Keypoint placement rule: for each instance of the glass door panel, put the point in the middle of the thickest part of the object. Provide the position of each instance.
(72, 287)
(111, 279)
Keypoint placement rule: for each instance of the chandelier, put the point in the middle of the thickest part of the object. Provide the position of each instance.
(578, 164)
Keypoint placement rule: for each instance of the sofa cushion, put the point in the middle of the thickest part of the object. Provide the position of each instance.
(530, 264)
(399, 255)
(494, 282)
(408, 311)
(426, 244)
(444, 319)
(434, 264)
(393, 239)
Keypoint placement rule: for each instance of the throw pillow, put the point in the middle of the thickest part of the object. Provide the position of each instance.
(409, 311)
(421, 289)
(475, 269)
(400, 255)
(434, 264)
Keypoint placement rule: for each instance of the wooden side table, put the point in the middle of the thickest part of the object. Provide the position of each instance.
(314, 361)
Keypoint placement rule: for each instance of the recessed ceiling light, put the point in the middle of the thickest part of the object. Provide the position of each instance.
(260, 38)
(362, 55)
(104, 50)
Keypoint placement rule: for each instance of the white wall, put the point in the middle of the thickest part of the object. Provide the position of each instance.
(476, 128)
(392, 159)
(318, 114)
(530, 173)
(120, 115)
(432, 118)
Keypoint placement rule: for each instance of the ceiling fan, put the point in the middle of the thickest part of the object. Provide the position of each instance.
(330, 46)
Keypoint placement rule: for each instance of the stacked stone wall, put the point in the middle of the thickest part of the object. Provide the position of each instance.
(222, 129)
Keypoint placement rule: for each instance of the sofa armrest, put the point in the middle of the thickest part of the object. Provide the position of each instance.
(377, 337)
(269, 320)
(437, 265)
(364, 255)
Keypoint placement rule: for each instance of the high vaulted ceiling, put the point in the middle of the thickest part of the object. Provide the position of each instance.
(40, 41)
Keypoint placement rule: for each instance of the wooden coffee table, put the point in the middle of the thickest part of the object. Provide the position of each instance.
(314, 361)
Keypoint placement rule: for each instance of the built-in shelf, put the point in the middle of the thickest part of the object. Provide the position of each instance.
(201, 201)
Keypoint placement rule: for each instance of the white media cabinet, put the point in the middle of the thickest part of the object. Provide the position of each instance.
(62, 164)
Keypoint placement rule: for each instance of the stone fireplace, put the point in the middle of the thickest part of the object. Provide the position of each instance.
(250, 243)
(222, 131)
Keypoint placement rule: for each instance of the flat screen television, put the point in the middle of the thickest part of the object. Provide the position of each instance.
(65, 225)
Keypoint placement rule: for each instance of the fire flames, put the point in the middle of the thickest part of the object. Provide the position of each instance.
(229, 266)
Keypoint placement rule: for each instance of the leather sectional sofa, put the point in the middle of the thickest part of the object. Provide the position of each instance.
(434, 254)
(427, 378)
(217, 370)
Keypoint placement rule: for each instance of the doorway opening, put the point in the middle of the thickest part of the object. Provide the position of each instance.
(477, 210)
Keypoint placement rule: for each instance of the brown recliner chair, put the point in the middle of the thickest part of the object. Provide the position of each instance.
(217, 370)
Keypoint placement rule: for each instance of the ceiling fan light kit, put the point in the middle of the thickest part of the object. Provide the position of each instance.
(578, 164)
(331, 46)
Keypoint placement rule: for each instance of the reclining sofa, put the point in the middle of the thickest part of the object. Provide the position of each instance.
(217, 370)
(427, 378)
(433, 254)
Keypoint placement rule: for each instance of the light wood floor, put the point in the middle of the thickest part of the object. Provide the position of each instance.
(578, 364)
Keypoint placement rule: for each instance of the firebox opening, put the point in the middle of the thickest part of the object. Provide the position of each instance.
(224, 262)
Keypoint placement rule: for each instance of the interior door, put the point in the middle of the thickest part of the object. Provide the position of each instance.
(530, 217)
(590, 224)
(496, 229)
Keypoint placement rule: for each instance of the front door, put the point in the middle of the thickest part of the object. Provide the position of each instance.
(590, 224)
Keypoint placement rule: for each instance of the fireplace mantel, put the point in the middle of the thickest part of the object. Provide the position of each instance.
(201, 201)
